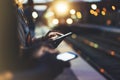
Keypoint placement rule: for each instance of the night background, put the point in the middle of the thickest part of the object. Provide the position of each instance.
(95, 27)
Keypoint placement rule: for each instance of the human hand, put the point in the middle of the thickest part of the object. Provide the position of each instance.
(43, 50)
(53, 34)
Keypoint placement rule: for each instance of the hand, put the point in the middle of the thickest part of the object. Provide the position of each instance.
(50, 35)
(43, 50)
(53, 34)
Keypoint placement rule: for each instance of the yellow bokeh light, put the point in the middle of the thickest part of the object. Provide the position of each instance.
(96, 45)
(61, 7)
(95, 13)
(92, 11)
(21, 1)
(55, 21)
(74, 36)
(49, 14)
(69, 21)
(104, 9)
(73, 16)
(79, 15)
(72, 11)
(113, 7)
(103, 13)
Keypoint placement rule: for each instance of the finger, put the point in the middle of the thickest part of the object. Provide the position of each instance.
(58, 33)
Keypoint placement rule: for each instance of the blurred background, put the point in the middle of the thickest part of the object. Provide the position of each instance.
(96, 34)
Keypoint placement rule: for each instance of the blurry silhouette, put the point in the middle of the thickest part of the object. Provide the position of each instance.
(38, 56)
(29, 64)
(28, 13)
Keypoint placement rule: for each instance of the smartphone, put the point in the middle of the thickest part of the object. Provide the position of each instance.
(59, 39)
(67, 56)
(63, 36)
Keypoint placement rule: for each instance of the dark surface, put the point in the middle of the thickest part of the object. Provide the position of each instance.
(67, 74)
(101, 57)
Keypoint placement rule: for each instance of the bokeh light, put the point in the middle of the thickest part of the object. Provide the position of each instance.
(92, 11)
(112, 53)
(55, 21)
(49, 14)
(61, 8)
(95, 13)
(21, 1)
(34, 14)
(104, 9)
(72, 11)
(103, 13)
(74, 36)
(79, 15)
(94, 6)
(69, 21)
(96, 45)
(113, 8)
(102, 70)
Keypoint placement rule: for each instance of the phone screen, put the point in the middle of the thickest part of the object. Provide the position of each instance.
(67, 56)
